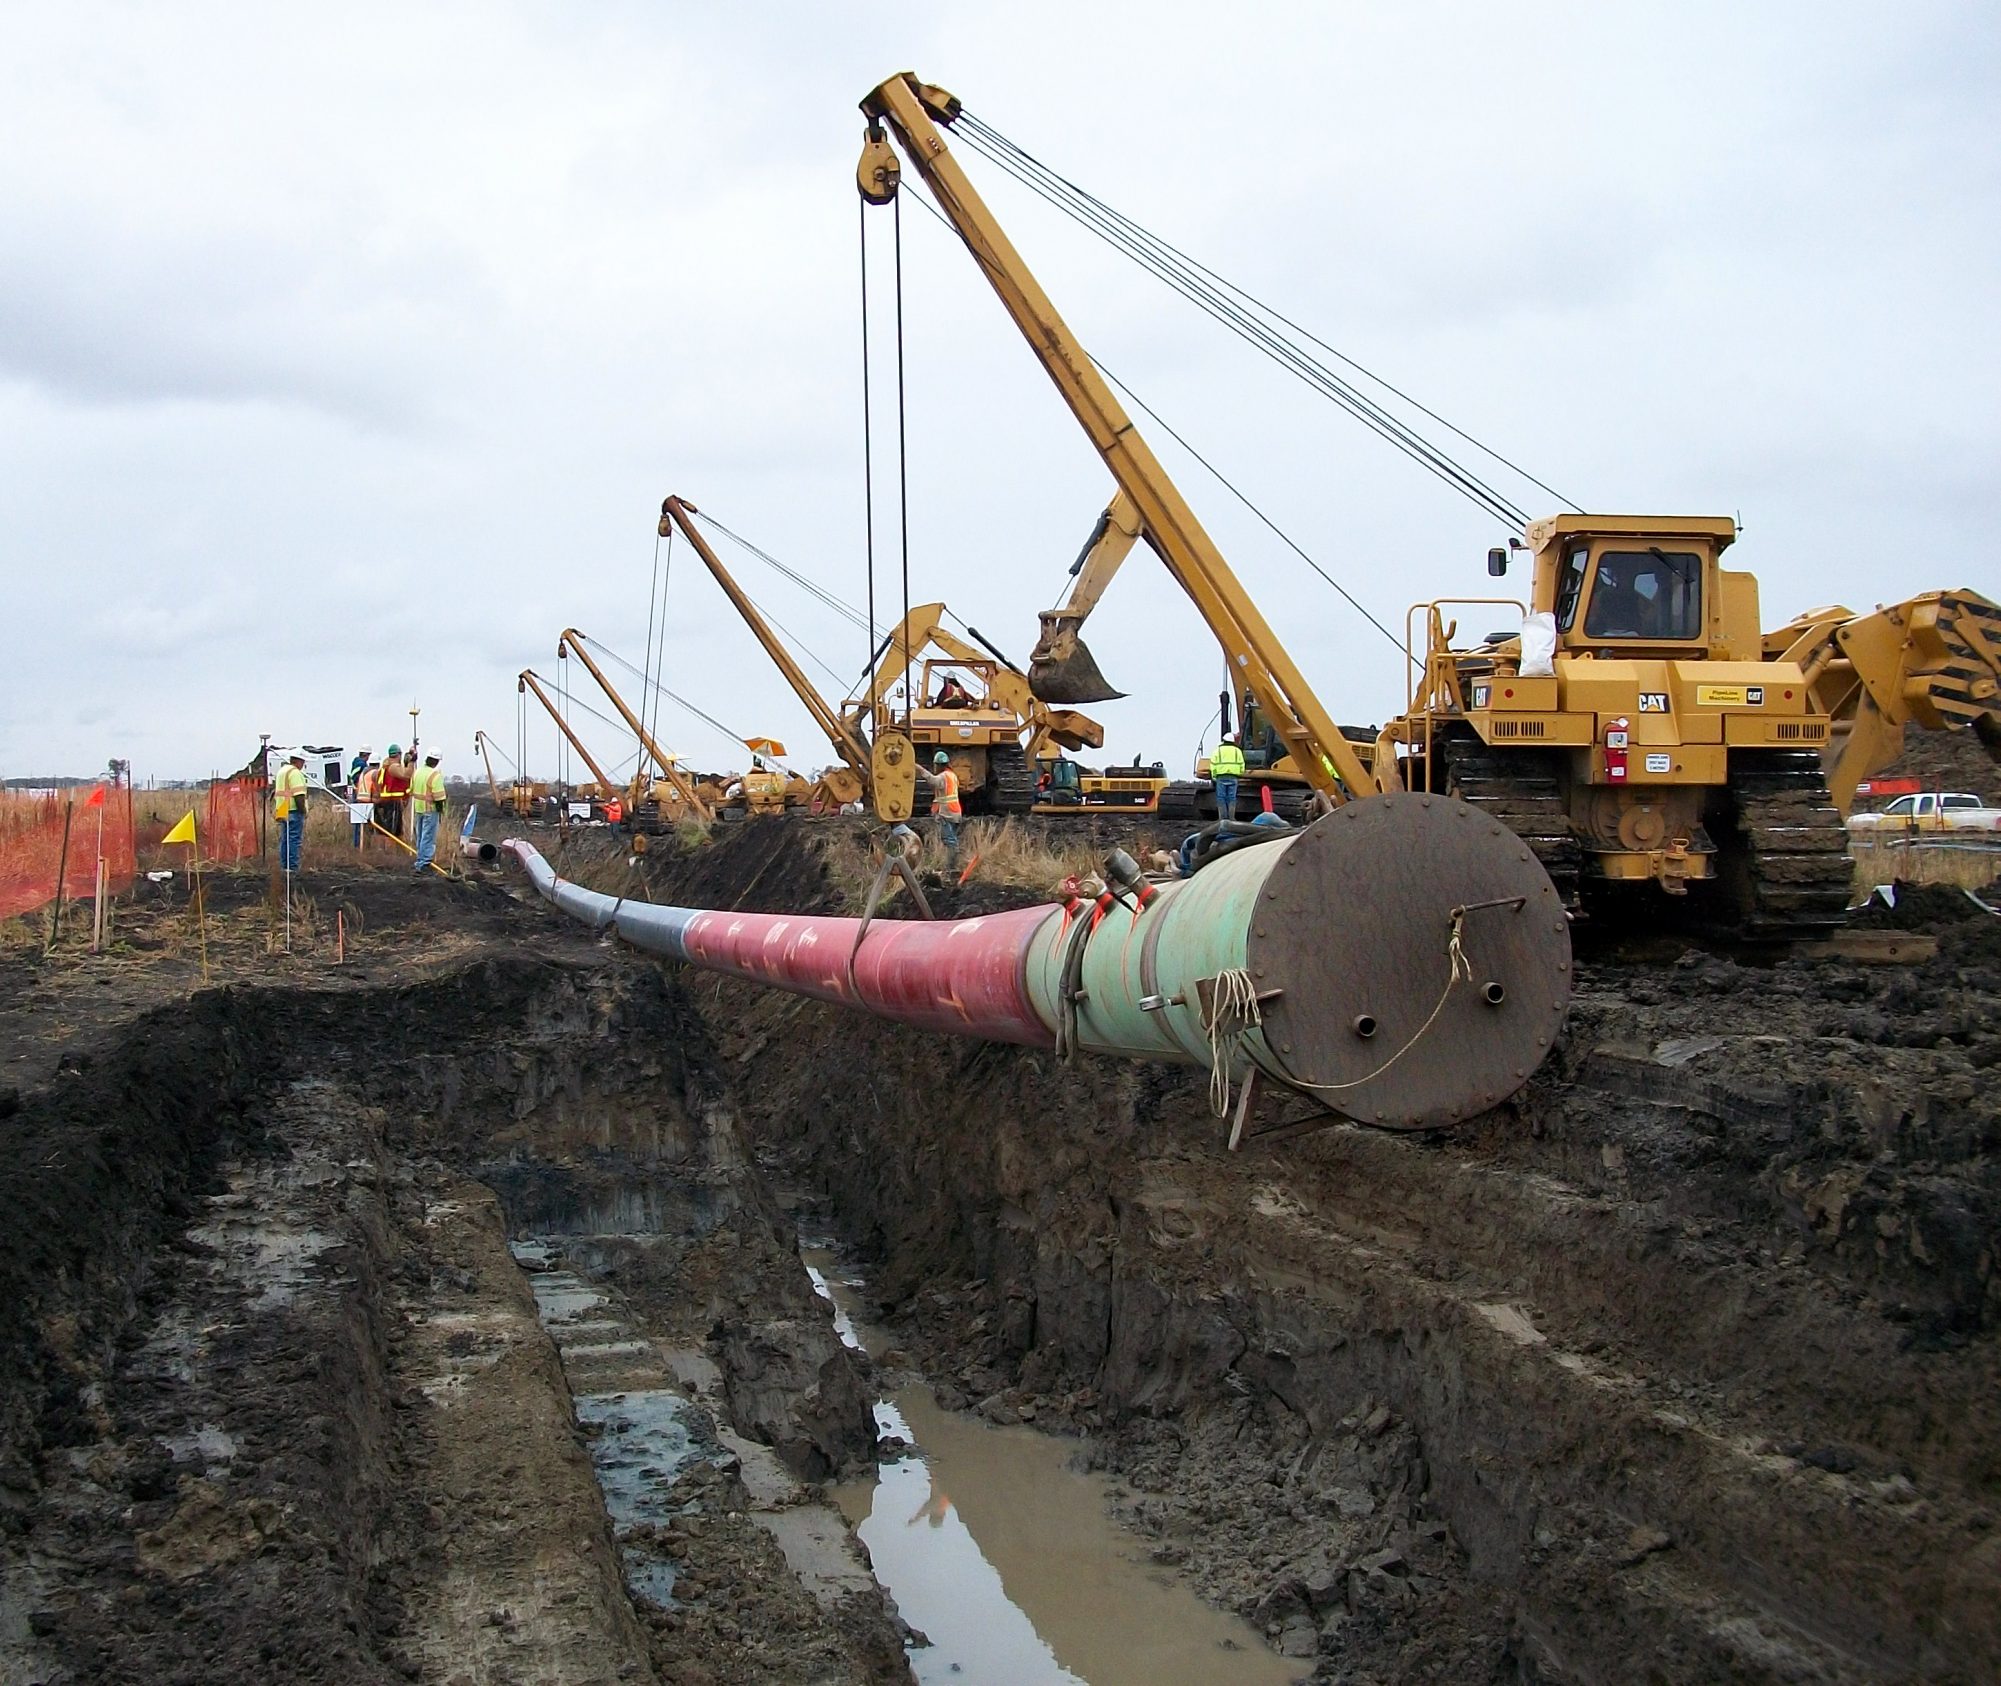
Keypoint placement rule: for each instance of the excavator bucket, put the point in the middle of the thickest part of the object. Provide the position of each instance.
(1061, 668)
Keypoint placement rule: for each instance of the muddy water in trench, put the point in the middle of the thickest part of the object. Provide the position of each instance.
(1004, 1558)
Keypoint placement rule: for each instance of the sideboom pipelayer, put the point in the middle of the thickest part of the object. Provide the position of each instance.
(1640, 732)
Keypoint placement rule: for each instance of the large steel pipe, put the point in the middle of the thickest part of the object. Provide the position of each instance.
(1405, 961)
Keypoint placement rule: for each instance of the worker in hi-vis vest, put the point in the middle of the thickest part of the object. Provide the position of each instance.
(427, 804)
(1226, 766)
(946, 808)
(288, 807)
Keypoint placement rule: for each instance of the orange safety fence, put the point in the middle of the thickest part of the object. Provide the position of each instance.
(229, 832)
(31, 846)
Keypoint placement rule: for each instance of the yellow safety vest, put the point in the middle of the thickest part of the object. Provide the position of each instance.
(946, 799)
(290, 786)
(427, 789)
(1226, 761)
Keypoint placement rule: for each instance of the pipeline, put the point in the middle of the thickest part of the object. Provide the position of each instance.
(1404, 961)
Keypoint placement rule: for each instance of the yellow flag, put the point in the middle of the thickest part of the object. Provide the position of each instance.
(184, 829)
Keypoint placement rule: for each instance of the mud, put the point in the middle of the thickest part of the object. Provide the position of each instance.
(277, 1401)
(1688, 1355)
(434, 1317)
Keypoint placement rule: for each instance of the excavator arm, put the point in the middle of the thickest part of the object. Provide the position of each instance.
(1061, 668)
(845, 784)
(1932, 661)
(530, 683)
(912, 112)
(571, 641)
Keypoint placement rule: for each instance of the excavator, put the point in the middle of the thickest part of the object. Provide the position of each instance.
(1639, 732)
(964, 698)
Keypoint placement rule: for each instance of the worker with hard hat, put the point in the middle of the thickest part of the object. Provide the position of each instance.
(946, 808)
(427, 806)
(392, 789)
(288, 807)
(1226, 767)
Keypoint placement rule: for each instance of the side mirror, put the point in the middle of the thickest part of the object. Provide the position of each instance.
(1497, 562)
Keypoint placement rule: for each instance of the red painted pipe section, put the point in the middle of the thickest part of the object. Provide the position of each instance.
(965, 977)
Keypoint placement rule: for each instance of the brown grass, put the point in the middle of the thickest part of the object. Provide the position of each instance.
(1964, 866)
(1006, 853)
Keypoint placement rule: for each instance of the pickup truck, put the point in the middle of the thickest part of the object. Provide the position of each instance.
(1951, 810)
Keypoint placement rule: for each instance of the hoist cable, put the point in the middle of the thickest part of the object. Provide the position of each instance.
(1139, 231)
(840, 605)
(1210, 293)
(1222, 479)
(868, 444)
(1296, 361)
(1230, 486)
(1221, 298)
(902, 450)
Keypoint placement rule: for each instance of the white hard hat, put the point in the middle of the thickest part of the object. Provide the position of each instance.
(430, 755)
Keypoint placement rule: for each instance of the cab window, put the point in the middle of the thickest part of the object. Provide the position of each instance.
(1651, 593)
(1570, 585)
(1962, 801)
(1903, 805)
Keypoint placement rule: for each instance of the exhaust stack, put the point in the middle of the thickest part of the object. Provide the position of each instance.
(1415, 915)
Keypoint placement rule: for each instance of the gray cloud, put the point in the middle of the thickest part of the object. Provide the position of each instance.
(343, 360)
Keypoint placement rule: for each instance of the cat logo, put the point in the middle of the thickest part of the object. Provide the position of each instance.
(1653, 702)
(1482, 694)
(1755, 696)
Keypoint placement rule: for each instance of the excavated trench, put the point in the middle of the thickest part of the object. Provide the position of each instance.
(452, 1327)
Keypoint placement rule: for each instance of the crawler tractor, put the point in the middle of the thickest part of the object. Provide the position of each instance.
(1658, 738)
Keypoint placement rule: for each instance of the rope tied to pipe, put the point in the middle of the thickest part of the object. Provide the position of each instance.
(1459, 970)
(1235, 1013)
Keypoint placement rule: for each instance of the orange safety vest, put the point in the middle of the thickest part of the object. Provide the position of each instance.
(945, 799)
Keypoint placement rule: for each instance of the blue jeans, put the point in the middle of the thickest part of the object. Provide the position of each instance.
(427, 839)
(948, 834)
(291, 833)
(1226, 797)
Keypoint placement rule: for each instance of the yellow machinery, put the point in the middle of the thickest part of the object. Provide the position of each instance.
(668, 799)
(885, 769)
(1303, 731)
(1658, 737)
(521, 794)
(605, 789)
(964, 699)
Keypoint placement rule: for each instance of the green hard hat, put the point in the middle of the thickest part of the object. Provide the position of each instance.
(941, 759)
(394, 750)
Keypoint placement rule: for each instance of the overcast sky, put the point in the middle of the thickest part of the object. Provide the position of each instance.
(346, 353)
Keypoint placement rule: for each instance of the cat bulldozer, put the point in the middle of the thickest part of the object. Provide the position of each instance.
(1637, 728)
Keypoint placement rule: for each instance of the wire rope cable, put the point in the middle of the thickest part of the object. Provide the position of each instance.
(1258, 323)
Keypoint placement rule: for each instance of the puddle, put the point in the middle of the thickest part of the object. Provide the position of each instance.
(644, 1436)
(1004, 1558)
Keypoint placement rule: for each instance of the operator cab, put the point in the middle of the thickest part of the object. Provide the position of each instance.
(1617, 582)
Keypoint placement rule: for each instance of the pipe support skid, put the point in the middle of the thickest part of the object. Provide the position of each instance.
(1405, 961)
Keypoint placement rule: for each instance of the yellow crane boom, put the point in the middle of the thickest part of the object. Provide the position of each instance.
(572, 641)
(912, 111)
(531, 683)
(845, 783)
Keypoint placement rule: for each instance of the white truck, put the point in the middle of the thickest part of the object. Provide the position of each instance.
(1928, 810)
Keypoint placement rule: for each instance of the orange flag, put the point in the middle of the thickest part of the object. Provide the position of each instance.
(95, 799)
